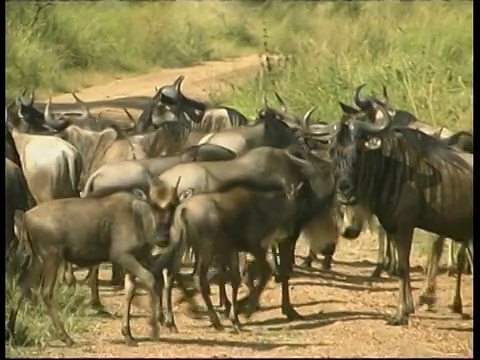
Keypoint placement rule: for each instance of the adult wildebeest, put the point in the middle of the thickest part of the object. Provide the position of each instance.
(123, 228)
(220, 225)
(409, 180)
(170, 102)
(270, 167)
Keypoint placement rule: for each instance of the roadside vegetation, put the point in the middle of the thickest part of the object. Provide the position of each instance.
(422, 51)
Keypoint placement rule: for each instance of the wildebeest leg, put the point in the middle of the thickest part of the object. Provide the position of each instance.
(382, 257)
(169, 323)
(403, 243)
(265, 271)
(47, 288)
(393, 267)
(428, 296)
(95, 301)
(117, 275)
(452, 261)
(201, 275)
(286, 260)
(129, 291)
(276, 264)
(235, 281)
(133, 267)
(327, 253)
(307, 262)
(457, 306)
(222, 294)
(69, 276)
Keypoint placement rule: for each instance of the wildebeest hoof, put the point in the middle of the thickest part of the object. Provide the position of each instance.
(276, 277)
(161, 319)
(377, 272)
(307, 263)
(451, 272)
(292, 315)
(456, 308)
(131, 342)
(428, 300)
(326, 264)
(236, 329)
(155, 333)
(218, 326)
(68, 341)
(466, 316)
(172, 328)
(398, 320)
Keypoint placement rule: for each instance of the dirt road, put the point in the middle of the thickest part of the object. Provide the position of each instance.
(344, 315)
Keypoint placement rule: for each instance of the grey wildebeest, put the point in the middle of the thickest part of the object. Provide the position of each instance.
(409, 180)
(267, 167)
(219, 225)
(170, 102)
(122, 227)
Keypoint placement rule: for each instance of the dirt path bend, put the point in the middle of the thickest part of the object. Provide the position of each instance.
(344, 314)
(133, 93)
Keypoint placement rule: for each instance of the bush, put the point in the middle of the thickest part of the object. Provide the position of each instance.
(62, 46)
(422, 52)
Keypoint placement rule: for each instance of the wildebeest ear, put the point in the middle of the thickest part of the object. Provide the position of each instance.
(140, 195)
(374, 143)
(347, 109)
(186, 194)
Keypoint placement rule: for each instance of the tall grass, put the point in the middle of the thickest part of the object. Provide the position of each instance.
(422, 52)
(68, 45)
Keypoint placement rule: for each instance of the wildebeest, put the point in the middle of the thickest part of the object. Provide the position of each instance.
(122, 227)
(220, 225)
(270, 167)
(409, 180)
(170, 102)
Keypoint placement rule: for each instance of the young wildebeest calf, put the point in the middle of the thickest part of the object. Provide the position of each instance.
(122, 228)
(220, 225)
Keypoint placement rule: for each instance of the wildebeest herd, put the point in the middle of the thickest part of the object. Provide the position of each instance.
(189, 180)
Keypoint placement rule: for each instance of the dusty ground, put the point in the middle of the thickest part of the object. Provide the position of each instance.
(344, 314)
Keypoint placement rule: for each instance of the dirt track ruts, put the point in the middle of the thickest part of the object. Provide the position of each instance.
(344, 315)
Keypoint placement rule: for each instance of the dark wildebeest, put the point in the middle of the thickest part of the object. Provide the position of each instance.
(123, 228)
(405, 177)
(17, 197)
(270, 167)
(220, 225)
(170, 102)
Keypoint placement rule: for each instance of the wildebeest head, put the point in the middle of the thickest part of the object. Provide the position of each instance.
(351, 139)
(163, 201)
(369, 109)
(23, 116)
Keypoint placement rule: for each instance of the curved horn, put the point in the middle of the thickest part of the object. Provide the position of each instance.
(282, 103)
(47, 115)
(359, 101)
(306, 118)
(24, 92)
(178, 83)
(177, 184)
(32, 98)
(130, 116)
(50, 121)
(86, 110)
(373, 128)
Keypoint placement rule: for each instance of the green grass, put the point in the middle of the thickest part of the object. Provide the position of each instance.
(422, 52)
(72, 45)
(34, 328)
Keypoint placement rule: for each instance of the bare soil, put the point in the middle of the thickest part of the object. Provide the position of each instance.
(344, 314)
